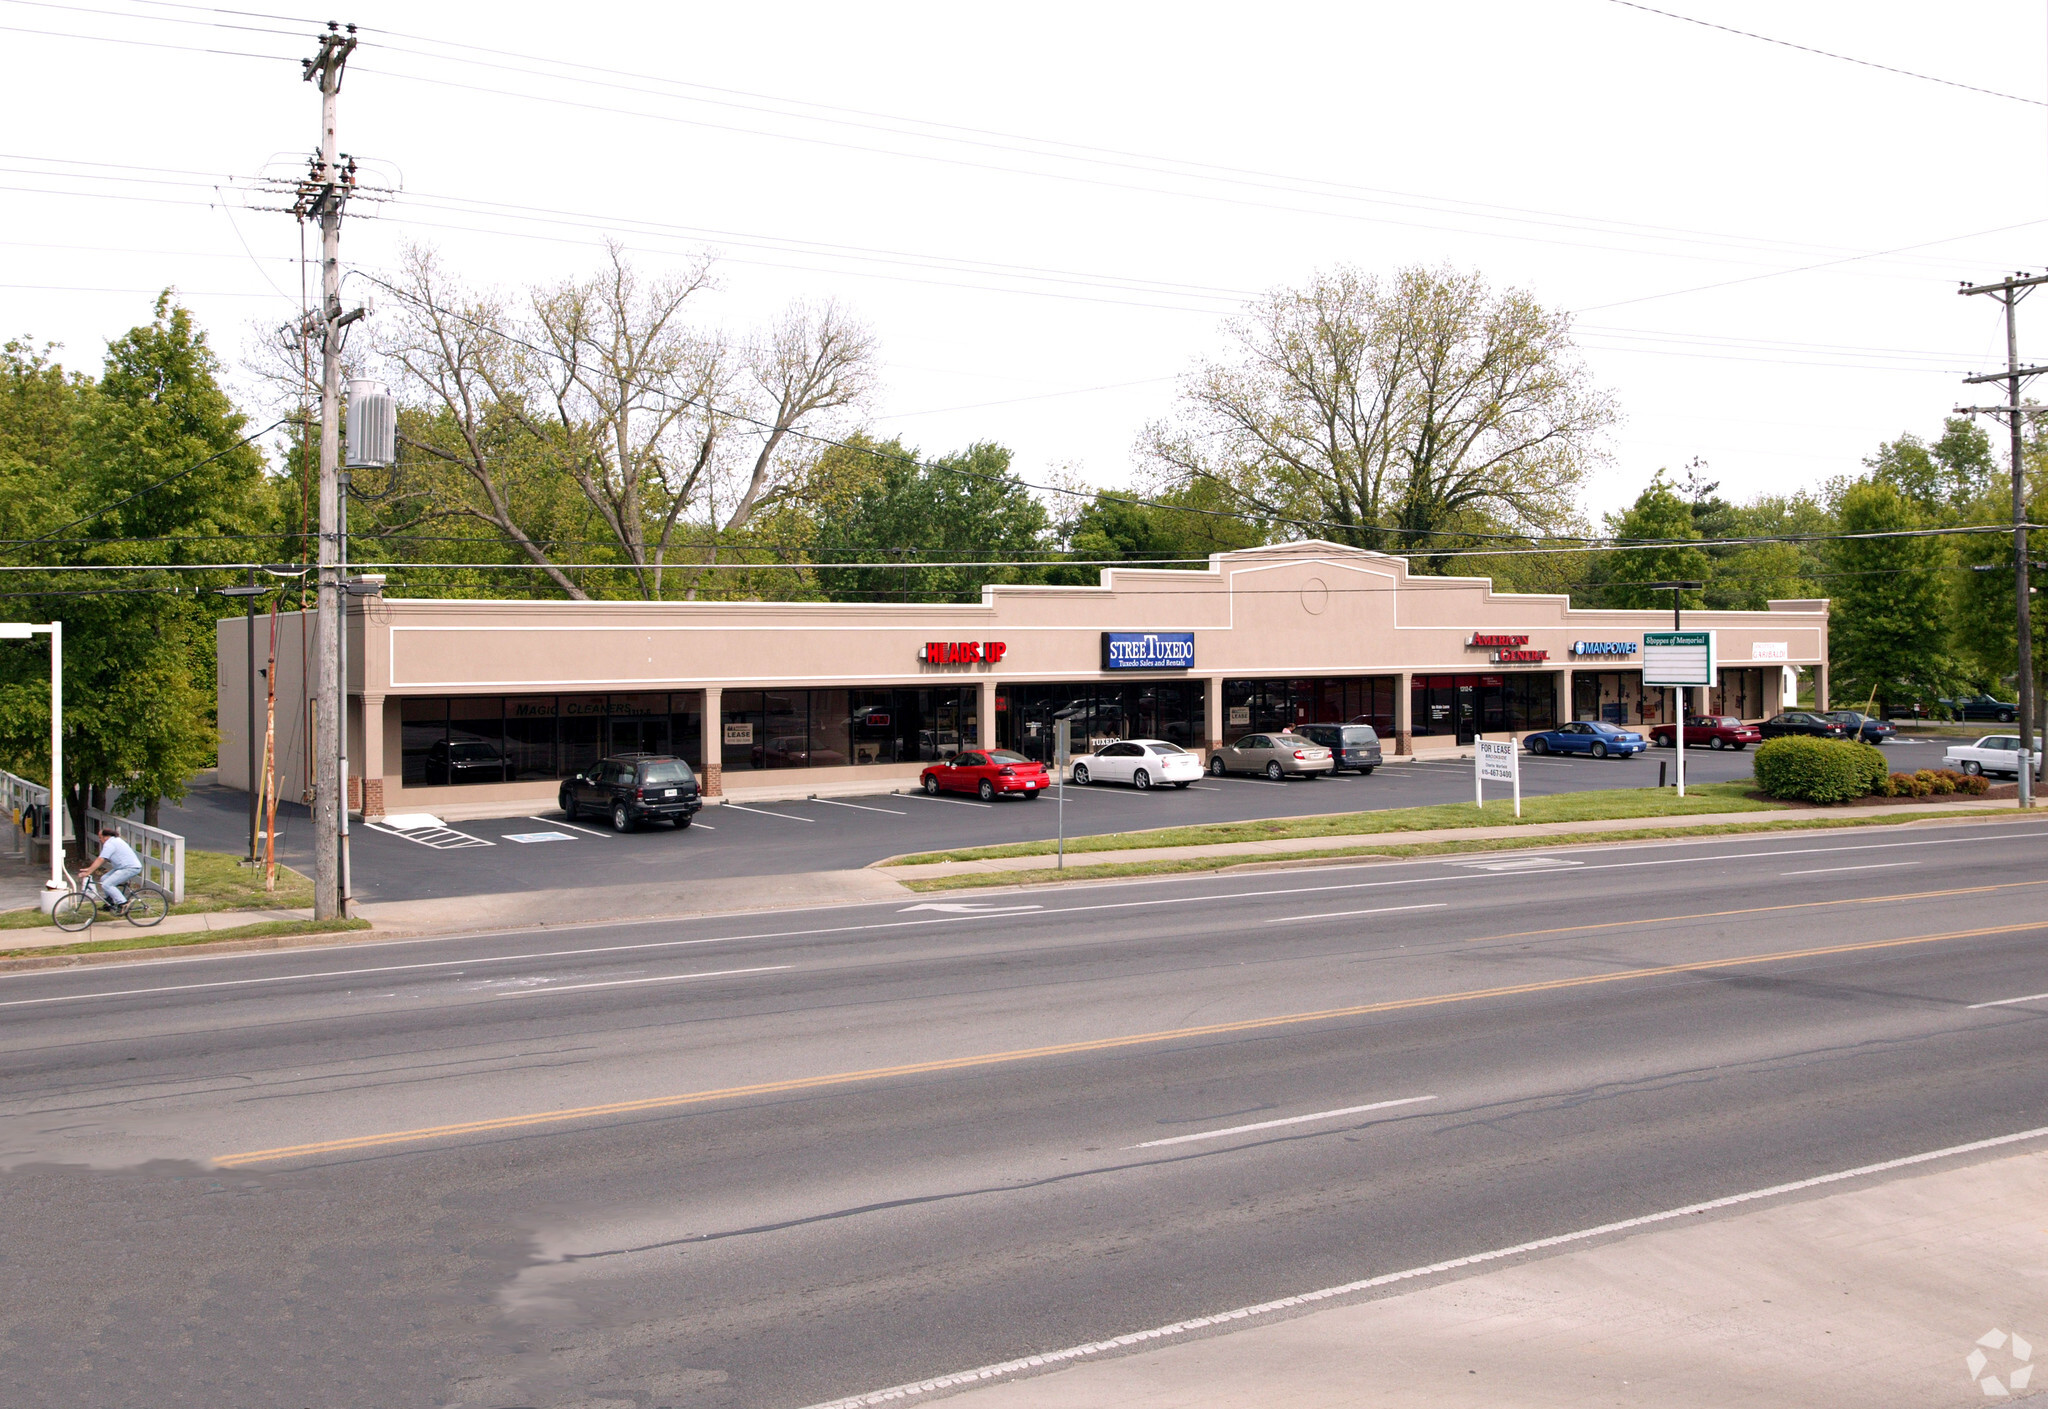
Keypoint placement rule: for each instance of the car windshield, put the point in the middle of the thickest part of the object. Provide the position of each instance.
(1005, 756)
(1292, 741)
(475, 750)
(673, 770)
(1165, 748)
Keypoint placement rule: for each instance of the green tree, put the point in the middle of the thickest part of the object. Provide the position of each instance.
(891, 508)
(1888, 624)
(1660, 516)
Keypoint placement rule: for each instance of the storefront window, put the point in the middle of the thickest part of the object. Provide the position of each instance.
(1027, 716)
(1740, 693)
(1464, 705)
(422, 728)
(526, 738)
(1618, 697)
(1265, 706)
(530, 737)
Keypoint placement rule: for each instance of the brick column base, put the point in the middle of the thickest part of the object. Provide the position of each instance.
(714, 780)
(1404, 742)
(373, 798)
(355, 793)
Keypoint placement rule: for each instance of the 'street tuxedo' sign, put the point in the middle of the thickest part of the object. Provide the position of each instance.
(1148, 650)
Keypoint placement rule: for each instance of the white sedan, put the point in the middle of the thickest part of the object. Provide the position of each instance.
(1142, 763)
(1994, 753)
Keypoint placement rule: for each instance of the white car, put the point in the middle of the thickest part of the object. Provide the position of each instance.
(1142, 763)
(1994, 753)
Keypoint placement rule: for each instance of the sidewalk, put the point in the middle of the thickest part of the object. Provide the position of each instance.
(1875, 1296)
(1568, 831)
(114, 927)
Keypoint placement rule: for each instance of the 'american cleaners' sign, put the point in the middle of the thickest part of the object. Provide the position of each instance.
(1148, 650)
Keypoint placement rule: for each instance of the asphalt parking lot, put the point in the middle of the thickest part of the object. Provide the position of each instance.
(542, 851)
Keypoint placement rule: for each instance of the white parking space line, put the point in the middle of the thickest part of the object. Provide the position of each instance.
(1830, 870)
(1345, 914)
(939, 797)
(627, 982)
(859, 807)
(2007, 1002)
(1254, 782)
(439, 838)
(764, 812)
(555, 822)
(1285, 1120)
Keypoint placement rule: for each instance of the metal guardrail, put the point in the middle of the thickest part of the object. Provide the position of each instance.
(162, 853)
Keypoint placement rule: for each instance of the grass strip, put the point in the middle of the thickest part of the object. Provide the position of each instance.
(978, 880)
(214, 881)
(1599, 805)
(146, 939)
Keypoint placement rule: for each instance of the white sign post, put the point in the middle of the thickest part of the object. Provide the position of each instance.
(1062, 755)
(1678, 659)
(1497, 762)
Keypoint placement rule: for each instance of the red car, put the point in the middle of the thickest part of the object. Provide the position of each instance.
(991, 773)
(1714, 731)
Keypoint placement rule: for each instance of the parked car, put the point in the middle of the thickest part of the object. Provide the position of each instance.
(464, 761)
(1994, 753)
(1139, 762)
(1862, 726)
(631, 788)
(1982, 706)
(1351, 745)
(1275, 755)
(1592, 736)
(1799, 722)
(1708, 731)
(987, 773)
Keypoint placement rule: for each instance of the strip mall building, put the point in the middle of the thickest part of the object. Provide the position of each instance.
(477, 708)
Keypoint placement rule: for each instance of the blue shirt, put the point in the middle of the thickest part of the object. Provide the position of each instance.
(119, 856)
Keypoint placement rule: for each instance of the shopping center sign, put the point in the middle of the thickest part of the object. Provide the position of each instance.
(1506, 649)
(1603, 648)
(1678, 657)
(962, 652)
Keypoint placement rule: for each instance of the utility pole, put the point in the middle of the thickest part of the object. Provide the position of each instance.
(2009, 291)
(323, 194)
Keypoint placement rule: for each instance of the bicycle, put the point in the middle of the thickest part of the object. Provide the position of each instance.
(76, 909)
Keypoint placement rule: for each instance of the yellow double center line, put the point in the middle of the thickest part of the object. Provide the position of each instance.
(1063, 1049)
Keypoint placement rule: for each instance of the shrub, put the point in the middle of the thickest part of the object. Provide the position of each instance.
(1975, 785)
(1876, 772)
(1937, 784)
(1907, 785)
(1816, 770)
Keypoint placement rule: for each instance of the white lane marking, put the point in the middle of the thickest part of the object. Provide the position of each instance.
(970, 908)
(1272, 1124)
(1205, 787)
(627, 982)
(2005, 1002)
(703, 827)
(859, 807)
(1346, 914)
(1830, 870)
(939, 797)
(942, 920)
(1255, 782)
(764, 812)
(1520, 863)
(1007, 1368)
(557, 822)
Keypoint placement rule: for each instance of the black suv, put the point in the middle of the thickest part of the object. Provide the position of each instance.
(1351, 745)
(632, 788)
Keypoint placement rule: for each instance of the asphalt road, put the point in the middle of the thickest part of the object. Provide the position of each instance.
(790, 838)
(774, 1159)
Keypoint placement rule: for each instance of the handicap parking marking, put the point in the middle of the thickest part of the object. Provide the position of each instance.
(432, 834)
(531, 837)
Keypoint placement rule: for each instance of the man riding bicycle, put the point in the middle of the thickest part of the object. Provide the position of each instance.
(120, 863)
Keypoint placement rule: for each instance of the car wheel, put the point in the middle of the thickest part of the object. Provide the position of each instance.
(1972, 767)
(1539, 746)
(1031, 796)
(568, 806)
(683, 822)
(1142, 781)
(1366, 772)
(1180, 785)
(1080, 775)
(1740, 747)
(1667, 741)
(2005, 716)
(987, 790)
(1599, 750)
(1216, 767)
(622, 820)
(931, 786)
(1716, 744)
(1274, 771)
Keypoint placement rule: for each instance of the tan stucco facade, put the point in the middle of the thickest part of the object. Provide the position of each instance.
(1299, 610)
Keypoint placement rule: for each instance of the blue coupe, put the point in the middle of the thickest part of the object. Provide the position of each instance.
(1587, 736)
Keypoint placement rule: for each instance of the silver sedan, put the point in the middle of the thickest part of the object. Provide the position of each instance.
(1275, 755)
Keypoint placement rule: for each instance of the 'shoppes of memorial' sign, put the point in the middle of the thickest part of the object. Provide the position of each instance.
(1678, 658)
(1148, 650)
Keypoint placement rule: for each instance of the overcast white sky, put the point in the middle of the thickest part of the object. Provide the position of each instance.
(1046, 212)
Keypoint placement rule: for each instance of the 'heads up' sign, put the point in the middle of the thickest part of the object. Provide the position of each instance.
(1148, 650)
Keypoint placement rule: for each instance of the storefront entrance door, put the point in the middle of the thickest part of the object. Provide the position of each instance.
(1468, 713)
(640, 735)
